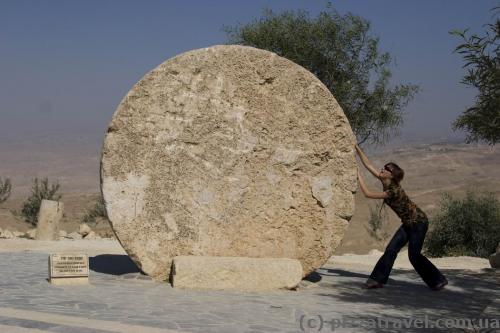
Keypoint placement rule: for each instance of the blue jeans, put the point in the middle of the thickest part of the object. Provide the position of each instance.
(413, 235)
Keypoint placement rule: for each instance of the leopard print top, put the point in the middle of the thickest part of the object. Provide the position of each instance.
(407, 210)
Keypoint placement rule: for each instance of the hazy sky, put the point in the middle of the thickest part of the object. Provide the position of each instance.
(65, 65)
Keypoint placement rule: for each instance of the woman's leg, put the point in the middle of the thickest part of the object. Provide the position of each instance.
(384, 265)
(426, 269)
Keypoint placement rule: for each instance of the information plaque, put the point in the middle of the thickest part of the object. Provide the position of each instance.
(68, 269)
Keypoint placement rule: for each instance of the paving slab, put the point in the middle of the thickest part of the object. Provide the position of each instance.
(120, 297)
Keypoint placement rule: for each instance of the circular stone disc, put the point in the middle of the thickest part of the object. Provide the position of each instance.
(228, 151)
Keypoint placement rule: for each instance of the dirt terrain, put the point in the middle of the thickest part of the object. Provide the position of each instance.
(430, 171)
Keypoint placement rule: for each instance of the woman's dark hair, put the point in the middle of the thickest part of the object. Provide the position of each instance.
(397, 172)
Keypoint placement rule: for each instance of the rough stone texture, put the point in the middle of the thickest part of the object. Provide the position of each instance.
(49, 216)
(74, 235)
(228, 151)
(235, 273)
(31, 234)
(7, 234)
(92, 235)
(84, 229)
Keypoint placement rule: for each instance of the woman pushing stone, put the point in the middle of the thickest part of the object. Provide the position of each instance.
(412, 231)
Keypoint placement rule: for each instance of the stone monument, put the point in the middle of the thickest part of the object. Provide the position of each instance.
(228, 151)
(49, 216)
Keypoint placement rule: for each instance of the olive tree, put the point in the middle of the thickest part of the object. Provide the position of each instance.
(343, 53)
(481, 55)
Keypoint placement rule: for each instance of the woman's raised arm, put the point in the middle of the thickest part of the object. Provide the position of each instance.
(367, 192)
(366, 162)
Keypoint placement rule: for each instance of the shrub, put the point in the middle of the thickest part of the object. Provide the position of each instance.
(377, 219)
(39, 191)
(5, 188)
(470, 226)
(99, 210)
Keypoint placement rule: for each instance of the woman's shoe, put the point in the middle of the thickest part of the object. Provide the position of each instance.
(372, 284)
(440, 285)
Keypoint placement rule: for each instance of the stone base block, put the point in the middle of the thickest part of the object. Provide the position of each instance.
(235, 273)
(69, 281)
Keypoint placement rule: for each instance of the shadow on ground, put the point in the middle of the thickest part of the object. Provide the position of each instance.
(114, 264)
(468, 296)
(313, 277)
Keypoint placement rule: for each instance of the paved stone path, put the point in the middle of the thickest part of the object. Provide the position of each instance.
(120, 299)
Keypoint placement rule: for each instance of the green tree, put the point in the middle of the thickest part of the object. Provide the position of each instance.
(39, 191)
(469, 226)
(342, 53)
(481, 55)
(5, 188)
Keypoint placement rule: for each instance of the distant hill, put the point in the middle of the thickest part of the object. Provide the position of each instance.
(430, 170)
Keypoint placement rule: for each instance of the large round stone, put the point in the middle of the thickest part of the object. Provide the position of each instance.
(228, 151)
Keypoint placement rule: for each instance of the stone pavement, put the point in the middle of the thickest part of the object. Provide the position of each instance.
(120, 299)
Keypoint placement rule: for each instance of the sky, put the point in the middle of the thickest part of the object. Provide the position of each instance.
(66, 65)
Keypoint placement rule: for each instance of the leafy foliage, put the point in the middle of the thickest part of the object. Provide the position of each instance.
(5, 189)
(344, 55)
(39, 191)
(481, 56)
(468, 227)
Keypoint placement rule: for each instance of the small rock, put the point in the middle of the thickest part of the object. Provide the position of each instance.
(92, 235)
(18, 233)
(375, 252)
(7, 234)
(74, 235)
(31, 234)
(62, 234)
(84, 229)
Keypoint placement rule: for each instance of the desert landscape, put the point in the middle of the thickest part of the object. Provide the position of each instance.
(431, 169)
(227, 142)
